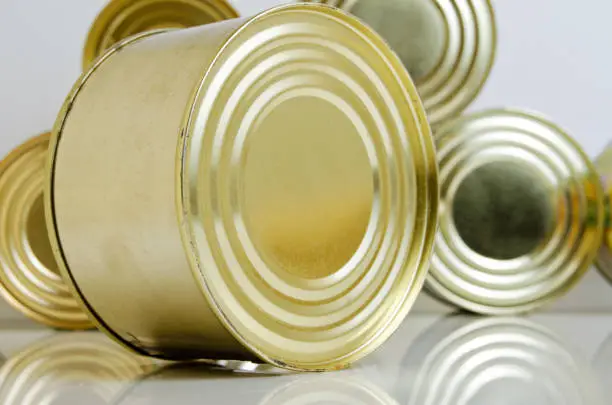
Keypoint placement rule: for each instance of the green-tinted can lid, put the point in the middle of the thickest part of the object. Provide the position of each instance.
(448, 46)
(123, 18)
(522, 213)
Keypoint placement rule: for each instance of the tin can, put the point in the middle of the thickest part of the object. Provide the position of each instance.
(277, 199)
(448, 46)
(477, 361)
(123, 18)
(522, 213)
(71, 369)
(604, 257)
(29, 275)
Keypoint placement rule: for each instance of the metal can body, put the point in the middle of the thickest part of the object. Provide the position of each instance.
(522, 213)
(448, 46)
(123, 18)
(29, 275)
(263, 186)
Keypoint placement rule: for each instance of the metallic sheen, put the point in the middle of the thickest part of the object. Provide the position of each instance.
(263, 186)
(55, 370)
(123, 18)
(522, 213)
(448, 46)
(29, 275)
(471, 362)
(604, 167)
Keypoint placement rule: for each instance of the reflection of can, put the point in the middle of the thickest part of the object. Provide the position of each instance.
(84, 368)
(255, 388)
(277, 196)
(448, 46)
(604, 167)
(29, 275)
(123, 18)
(521, 216)
(494, 360)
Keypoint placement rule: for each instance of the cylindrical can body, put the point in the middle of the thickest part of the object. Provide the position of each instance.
(448, 46)
(29, 275)
(522, 213)
(121, 19)
(260, 186)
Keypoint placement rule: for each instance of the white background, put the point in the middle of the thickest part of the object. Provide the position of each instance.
(553, 57)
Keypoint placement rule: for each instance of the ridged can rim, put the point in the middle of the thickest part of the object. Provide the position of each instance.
(530, 143)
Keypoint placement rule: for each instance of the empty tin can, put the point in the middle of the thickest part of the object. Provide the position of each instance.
(522, 213)
(604, 166)
(448, 46)
(29, 275)
(262, 187)
(123, 18)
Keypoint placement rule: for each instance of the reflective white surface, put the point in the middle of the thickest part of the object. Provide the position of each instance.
(431, 360)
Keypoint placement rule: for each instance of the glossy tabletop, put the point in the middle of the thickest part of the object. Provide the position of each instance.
(546, 359)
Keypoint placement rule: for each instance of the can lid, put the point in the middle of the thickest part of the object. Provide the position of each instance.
(123, 18)
(448, 46)
(29, 276)
(604, 167)
(522, 213)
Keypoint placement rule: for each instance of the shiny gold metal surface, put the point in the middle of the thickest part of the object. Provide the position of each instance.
(604, 167)
(257, 187)
(461, 361)
(448, 46)
(29, 275)
(123, 18)
(522, 213)
(70, 368)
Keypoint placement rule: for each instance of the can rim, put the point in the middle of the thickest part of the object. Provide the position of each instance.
(474, 304)
(98, 30)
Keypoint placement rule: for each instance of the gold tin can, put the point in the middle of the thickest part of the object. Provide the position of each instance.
(522, 213)
(263, 187)
(29, 275)
(604, 257)
(123, 18)
(448, 46)
(71, 368)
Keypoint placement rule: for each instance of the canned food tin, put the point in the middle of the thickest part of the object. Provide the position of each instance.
(123, 18)
(276, 198)
(69, 369)
(604, 257)
(448, 46)
(29, 275)
(522, 213)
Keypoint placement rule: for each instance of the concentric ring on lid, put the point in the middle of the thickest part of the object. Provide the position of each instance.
(448, 46)
(29, 275)
(311, 260)
(521, 216)
(123, 18)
